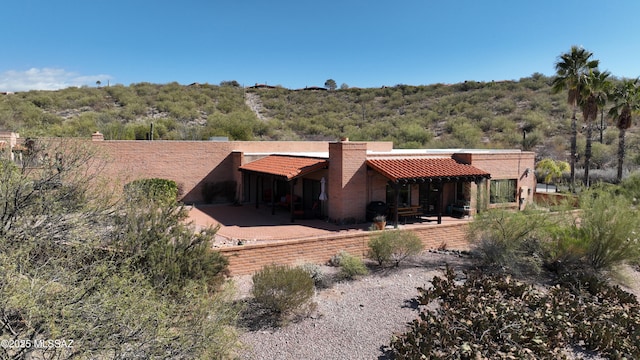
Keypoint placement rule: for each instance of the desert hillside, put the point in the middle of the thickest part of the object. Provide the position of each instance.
(522, 114)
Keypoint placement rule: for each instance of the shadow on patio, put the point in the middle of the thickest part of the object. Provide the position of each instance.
(248, 224)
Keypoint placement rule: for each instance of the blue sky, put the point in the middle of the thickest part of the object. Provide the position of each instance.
(56, 44)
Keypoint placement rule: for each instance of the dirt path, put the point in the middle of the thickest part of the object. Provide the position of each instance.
(255, 104)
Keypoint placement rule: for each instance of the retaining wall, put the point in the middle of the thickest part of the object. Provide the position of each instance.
(551, 199)
(247, 259)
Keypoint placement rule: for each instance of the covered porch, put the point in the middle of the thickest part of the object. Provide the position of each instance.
(292, 183)
(426, 187)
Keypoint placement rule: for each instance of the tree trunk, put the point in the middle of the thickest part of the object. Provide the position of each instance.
(572, 157)
(587, 152)
(590, 114)
(621, 137)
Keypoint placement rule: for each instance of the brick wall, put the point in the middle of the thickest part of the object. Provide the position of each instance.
(247, 259)
(347, 181)
(506, 165)
(550, 199)
(193, 163)
(377, 187)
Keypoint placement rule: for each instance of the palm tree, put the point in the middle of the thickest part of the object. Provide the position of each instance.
(626, 98)
(594, 92)
(571, 70)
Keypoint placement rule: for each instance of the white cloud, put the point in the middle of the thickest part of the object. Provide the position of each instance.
(46, 79)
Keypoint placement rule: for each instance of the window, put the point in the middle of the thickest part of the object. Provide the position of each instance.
(502, 191)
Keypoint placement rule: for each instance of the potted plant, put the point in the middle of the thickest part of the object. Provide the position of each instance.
(380, 221)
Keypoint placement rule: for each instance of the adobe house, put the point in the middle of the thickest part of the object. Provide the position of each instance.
(340, 184)
(337, 181)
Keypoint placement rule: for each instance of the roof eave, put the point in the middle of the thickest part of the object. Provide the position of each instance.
(440, 179)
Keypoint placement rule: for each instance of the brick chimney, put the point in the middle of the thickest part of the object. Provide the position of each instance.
(97, 136)
(347, 185)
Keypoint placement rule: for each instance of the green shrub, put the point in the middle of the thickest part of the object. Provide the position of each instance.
(405, 244)
(604, 236)
(158, 241)
(608, 230)
(564, 253)
(381, 248)
(157, 190)
(350, 266)
(511, 241)
(320, 279)
(630, 187)
(495, 317)
(282, 289)
(394, 246)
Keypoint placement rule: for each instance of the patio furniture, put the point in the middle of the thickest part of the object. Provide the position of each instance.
(285, 201)
(460, 209)
(413, 211)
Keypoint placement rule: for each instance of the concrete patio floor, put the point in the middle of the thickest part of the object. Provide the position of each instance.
(247, 224)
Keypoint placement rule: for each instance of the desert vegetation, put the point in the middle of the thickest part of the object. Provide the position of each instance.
(501, 317)
(532, 113)
(540, 284)
(100, 276)
(282, 290)
(127, 277)
(393, 247)
(544, 286)
(350, 266)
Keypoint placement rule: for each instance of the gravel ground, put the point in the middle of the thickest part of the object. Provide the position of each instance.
(356, 319)
(353, 320)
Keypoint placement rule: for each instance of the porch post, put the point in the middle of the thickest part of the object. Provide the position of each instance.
(258, 178)
(291, 203)
(396, 190)
(273, 195)
(441, 191)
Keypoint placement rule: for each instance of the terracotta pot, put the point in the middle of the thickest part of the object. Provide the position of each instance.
(380, 225)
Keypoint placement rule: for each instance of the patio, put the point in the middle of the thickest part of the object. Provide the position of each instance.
(248, 225)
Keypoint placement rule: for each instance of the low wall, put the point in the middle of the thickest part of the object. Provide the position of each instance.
(247, 259)
(552, 199)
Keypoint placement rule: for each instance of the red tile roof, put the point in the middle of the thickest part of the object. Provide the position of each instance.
(424, 168)
(289, 167)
